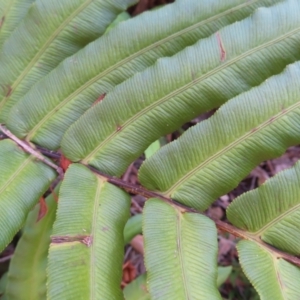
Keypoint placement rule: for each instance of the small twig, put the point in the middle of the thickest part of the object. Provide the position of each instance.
(136, 205)
(126, 175)
(6, 258)
(49, 153)
(31, 151)
(239, 233)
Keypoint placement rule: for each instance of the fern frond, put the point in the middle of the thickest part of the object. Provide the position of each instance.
(27, 269)
(273, 277)
(87, 241)
(23, 180)
(51, 31)
(45, 113)
(173, 91)
(212, 157)
(272, 212)
(11, 14)
(179, 247)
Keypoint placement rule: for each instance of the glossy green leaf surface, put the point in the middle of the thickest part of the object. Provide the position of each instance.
(86, 252)
(212, 157)
(272, 212)
(11, 14)
(45, 113)
(27, 269)
(51, 31)
(175, 90)
(179, 248)
(23, 180)
(272, 277)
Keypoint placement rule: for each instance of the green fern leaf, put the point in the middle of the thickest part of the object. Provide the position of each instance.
(51, 31)
(212, 157)
(223, 273)
(11, 14)
(137, 289)
(3, 282)
(272, 212)
(27, 269)
(23, 180)
(45, 113)
(87, 242)
(123, 16)
(179, 248)
(132, 228)
(173, 91)
(272, 277)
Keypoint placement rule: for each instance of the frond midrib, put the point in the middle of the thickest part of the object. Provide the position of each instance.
(93, 279)
(229, 147)
(180, 254)
(269, 225)
(16, 173)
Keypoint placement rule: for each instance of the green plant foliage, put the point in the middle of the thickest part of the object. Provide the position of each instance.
(163, 97)
(50, 32)
(189, 169)
(3, 282)
(132, 228)
(63, 96)
(87, 242)
(273, 277)
(137, 289)
(23, 180)
(170, 240)
(11, 13)
(27, 269)
(223, 273)
(123, 16)
(84, 77)
(152, 149)
(271, 212)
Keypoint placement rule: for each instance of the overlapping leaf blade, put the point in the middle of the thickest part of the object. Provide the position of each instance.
(137, 289)
(212, 157)
(45, 113)
(272, 212)
(123, 16)
(27, 269)
(173, 91)
(272, 277)
(180, 248)
(132, 228)
(3, 282)
(11, 14)
(86, 252)
(51, 31)
(23, 180)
